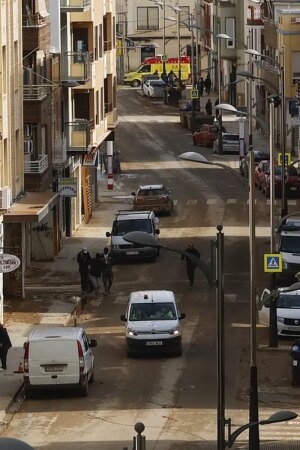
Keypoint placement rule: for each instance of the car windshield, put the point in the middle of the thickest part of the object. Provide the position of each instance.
(151, 192)
(231, 137)
(152, 311)
(290, 244)
(288, 301)
(121, 227)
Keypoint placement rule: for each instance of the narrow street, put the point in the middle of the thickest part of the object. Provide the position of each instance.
(174, 397)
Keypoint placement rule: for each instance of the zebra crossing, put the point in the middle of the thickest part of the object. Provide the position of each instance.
(284, 431)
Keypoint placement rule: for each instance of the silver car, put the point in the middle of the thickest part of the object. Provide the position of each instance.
(154, 88)
(230, 143)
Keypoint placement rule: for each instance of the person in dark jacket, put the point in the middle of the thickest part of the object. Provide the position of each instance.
(5, 345)
(84, 262)
(190, 266)
(107, 272)
(200, 86)
(207, 84)
(95, 272)
(208, 107)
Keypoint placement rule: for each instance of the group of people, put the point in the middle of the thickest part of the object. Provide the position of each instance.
(204, 85)
(93, 269)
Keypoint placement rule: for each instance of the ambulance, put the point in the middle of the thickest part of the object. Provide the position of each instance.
(150, 65)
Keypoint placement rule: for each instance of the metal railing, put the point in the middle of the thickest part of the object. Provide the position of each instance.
(107, 46)
(33, 20)
(77, 5)
(37, 166)
(77, 66)
(78, 134)
(32, 92)
(108, 107)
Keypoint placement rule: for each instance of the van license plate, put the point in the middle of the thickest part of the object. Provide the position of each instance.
(132, 253)
(54, 368)
(154, 343)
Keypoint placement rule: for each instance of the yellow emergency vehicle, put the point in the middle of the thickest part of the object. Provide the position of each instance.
(150, 65)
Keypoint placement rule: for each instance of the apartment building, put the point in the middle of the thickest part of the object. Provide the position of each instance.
(147, 31)
(83, 48)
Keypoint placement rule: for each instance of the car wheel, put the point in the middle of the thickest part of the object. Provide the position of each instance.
(135, 83)
(84, 389)
(92, 378)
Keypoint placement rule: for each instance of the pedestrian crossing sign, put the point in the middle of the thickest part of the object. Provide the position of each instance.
(272, 262)
(287, 158)
(194, 93)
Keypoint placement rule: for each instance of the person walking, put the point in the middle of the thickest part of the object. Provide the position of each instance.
(200, 86)
(5, 345)
(107, 272)
(208, 107)
(171, 78)
(95, 272)
(207, 84)
(84, 262)
(216, 104)
(190, 266)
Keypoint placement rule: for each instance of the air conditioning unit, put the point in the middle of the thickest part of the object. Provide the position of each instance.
(5, 198)
(28, 146)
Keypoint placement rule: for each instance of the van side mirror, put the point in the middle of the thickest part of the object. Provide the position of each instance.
(123, 318)
(93, 343)
(182, 316)
(107, 234)
(157, 231)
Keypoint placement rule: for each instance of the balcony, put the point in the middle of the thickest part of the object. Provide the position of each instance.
(34, 93)
(75, 5)
(33, 20)
(255, 17)
(76, 66)
(38, 166)
(107, 46)
(78, 135)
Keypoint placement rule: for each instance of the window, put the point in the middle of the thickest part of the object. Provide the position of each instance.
(97, 107)
(147, 52)
(230, 30)
(100, 41)
(96, 40)
(184, 15)
(147, 18)
(296, 66)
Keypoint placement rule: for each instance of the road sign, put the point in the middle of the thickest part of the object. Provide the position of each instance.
(288, 159)
(194, 93)
(164, 58)
(272, 262)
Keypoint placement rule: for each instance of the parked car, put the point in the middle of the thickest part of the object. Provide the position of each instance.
(230, 143)
(155, 197)
(258, 157)
(288, 312)
(265, 181)
(153, 323)
(293, 183)
(154, 88)
(58, 357)
(206, 134)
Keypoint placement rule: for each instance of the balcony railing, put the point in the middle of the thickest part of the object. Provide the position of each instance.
(37, 166)
(32, 92)
(33, 20)
(78, 135)
(107, 45)
(75, 5)
(76, 66)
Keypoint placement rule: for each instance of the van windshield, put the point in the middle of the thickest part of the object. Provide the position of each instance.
(152, 311)
(122, 227)
(290, 244)
(288, 301)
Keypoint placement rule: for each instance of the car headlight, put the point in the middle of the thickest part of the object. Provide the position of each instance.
(174, 330)
(284, 264)
(280, 319)
(131, 332)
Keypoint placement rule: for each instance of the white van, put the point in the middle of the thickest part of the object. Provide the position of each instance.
(289, 248)
(153, 323)
(58, 357)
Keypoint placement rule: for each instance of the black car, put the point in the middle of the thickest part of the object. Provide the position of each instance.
(258, 157)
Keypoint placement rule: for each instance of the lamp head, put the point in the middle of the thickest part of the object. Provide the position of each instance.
(227, 107)
(195, 157)
(141, 238)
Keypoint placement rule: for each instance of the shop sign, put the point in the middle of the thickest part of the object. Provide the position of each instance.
(8, 263)
(67, 187)
(90, 160)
